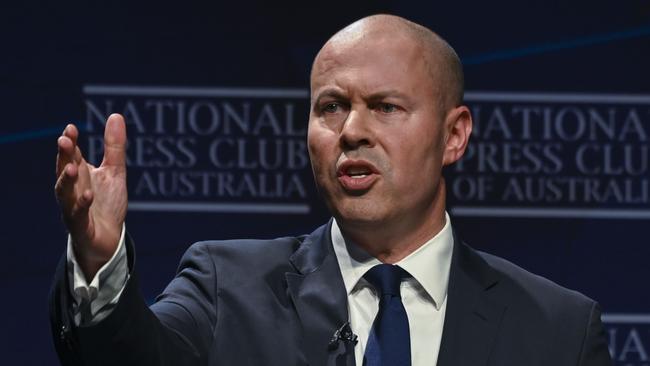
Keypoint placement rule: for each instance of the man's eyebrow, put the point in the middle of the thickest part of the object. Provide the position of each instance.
(333, 93)
(337, 94)
(390, 93)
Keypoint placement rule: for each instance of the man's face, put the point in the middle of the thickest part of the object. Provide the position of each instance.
(376, 131)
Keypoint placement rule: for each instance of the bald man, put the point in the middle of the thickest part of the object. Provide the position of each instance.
(385, 282)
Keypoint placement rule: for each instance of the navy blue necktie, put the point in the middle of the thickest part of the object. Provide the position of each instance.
(389, 343)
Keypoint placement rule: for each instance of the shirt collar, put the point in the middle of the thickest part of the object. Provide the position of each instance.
(429, 264)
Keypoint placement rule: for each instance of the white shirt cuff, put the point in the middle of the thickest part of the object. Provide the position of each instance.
(94, 301)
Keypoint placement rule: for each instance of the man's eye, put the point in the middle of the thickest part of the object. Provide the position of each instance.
(387, 108)
(331, 107)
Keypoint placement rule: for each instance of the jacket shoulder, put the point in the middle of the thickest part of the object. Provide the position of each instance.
(526, 287)
(244, 253)
(567, 326)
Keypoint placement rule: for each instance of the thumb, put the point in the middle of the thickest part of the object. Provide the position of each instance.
(115, 141)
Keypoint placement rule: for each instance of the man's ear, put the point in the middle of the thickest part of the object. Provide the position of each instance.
(458, 125)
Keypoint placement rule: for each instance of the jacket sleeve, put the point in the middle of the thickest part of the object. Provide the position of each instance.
(594, 347)
(177, 330)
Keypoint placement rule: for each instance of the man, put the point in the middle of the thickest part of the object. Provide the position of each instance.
(386, 116)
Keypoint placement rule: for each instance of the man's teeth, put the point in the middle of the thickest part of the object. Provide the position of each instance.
(358, 173)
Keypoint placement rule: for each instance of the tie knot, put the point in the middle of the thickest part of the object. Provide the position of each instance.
(386, 278)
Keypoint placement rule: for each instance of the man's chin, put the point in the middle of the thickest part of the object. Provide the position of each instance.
(360, 216)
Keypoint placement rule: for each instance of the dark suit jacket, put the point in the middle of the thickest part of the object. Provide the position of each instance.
(278, 302)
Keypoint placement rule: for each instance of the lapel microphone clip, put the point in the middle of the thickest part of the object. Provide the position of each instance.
(343, 334)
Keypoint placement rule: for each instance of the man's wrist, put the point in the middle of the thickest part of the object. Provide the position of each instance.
(95, 297)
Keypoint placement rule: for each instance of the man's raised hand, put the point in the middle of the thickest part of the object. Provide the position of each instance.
(93, 200)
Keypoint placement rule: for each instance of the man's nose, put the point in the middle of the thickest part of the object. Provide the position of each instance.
(356, 131)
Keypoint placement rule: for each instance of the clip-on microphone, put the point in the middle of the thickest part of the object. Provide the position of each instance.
(344, 334)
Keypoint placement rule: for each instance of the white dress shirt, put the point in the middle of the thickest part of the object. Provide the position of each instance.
(424, 295)
(94, 301)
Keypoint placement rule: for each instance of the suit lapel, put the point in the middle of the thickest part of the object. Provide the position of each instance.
(472, 319)
(319, 296)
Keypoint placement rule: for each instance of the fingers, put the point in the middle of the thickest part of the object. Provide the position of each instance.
(71, 132)
(115, 141)
(69, 166)
(66, 147)
(68, 151)
(64, 187)
(75, 204)
(80, 210)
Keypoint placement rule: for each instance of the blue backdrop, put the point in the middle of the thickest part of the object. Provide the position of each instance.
(216, 96)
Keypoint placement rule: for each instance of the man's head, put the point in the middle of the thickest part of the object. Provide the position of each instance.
(386, 116)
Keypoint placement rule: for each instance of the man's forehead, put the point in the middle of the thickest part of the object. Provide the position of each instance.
(373, 40)
(379, 46)
(363, 34)
(371, 78)
(378, 25)
(366, 51)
